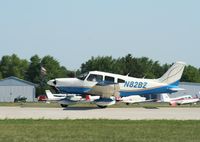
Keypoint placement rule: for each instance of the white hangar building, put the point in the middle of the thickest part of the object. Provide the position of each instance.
(191, 88)
(13, 87)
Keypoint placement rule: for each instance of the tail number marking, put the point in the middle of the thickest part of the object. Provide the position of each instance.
(132, 84)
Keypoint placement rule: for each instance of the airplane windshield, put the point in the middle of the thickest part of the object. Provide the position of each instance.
(82, 76)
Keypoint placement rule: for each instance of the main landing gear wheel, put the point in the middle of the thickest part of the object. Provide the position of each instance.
(102, 106)
(63, 105)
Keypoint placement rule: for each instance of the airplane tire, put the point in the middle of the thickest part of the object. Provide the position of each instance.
(102, 106)
(63, 105)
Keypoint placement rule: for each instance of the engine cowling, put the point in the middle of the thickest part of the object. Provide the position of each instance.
(105, 102)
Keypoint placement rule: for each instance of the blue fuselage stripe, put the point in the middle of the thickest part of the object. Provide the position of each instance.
(81, 90)
(73, 90)
(145, 92)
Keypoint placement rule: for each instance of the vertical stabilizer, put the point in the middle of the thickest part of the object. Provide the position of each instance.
(49, 94)
(173, 75)
(164, 97)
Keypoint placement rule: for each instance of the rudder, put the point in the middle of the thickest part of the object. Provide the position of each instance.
(173, 74)
(49, 94)
(164, 97)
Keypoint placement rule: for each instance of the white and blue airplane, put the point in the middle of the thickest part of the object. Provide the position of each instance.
(107, 88)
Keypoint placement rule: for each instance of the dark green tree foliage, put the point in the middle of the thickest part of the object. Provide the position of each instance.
(191, 74)
(31, 71)
(13, 66)
(136, 67)
(54, 70)
(99, 63)
(1, 77)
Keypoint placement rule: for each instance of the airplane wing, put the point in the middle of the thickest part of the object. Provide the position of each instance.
(105, 89)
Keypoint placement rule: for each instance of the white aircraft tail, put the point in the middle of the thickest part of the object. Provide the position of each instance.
(173, 75)
(164, 97)
(49, 94)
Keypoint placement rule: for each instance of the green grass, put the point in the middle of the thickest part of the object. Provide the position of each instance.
(99, 131)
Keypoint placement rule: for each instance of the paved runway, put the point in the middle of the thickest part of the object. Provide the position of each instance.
(96, 113)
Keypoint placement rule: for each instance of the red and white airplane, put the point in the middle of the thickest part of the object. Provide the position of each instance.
(186, 99)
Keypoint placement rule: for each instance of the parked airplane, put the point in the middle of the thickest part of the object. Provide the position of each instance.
(69, 98)
(133, 99)
(110, 86)
(74, 98)
(186, 99)
(54, 97)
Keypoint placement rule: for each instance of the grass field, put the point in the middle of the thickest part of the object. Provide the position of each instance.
(99, 131)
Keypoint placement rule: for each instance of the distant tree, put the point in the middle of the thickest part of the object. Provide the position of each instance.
(33, 71)
(1, 77)
(137, 67)
(191, 74)
(99, 63)
(128, 65)
(5, 66)
(157, 70)
(13, 66)
(54, 70)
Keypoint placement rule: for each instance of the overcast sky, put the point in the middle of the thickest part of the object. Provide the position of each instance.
(74, 30)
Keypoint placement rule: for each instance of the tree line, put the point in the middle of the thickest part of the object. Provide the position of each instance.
(142, 67)
(31, 70)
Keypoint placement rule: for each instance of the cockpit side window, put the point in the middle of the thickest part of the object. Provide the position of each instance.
(95, 78)
(109, 79)
(82, 76)
(120, 80)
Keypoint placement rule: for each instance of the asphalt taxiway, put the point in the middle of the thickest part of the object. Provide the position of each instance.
(96, 113)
